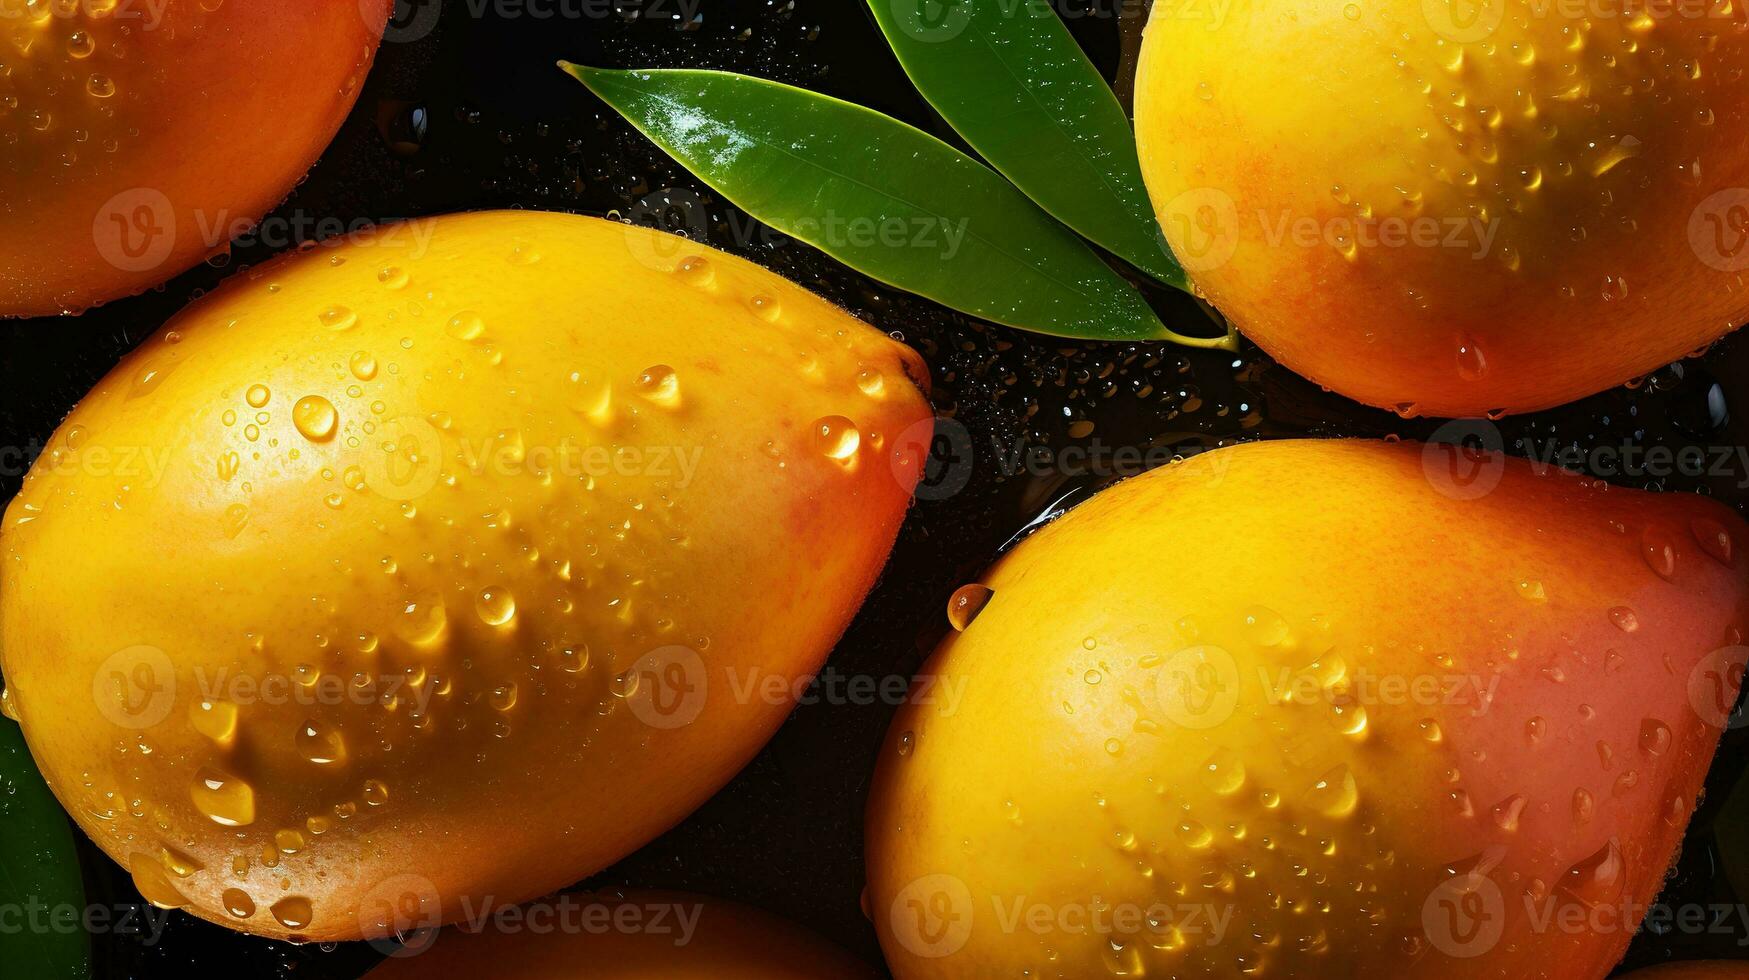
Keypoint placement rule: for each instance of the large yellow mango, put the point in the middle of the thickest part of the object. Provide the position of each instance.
(1453, 207)
(1374, 717)
(438, 569)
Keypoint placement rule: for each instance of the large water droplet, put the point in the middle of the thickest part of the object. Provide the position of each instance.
(965, 605)
(315, 418)
(225, 799)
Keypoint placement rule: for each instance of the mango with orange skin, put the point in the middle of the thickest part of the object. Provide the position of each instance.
(1449, 208)
(669, 934)
(138, 136)
(1315, 709)
(458, 562)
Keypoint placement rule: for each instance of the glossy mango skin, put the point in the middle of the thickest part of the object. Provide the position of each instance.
(718, 939)
(1448, 209)
(362, 612)
(137, 136)
(1295, 703)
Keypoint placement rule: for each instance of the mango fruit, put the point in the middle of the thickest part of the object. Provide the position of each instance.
(1306, 709)
(138, 137)
(461, 562)
(626, 935)
(1451, 208)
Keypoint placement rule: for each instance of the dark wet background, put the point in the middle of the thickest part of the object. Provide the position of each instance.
(465, 110)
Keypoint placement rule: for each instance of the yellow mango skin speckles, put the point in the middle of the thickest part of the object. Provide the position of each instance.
(1357, 698)
(442, 562)
(1450, 209)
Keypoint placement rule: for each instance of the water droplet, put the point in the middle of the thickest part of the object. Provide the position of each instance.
(421, 621)
(1583, 806)
(1598, 878)
(1624, 619)
(257, 396)
(504, 697)
(466, 325)
(154, 883)
(1654, 736)
(837, 437)
(1471, 364)
(1224, 773)
(495, 605)
(315, 418)
(1715, 540)
(1507, 811)
(363, 365)
(288, 841)
(223, 798)
(965, 605)
(216, 720)
(376, 793)
(1659, 549)
(1335, 794)
(338, 318)
(659, 384)
(696, 270)
(321, 744)
(238, 903)
(767, 308)
(293, 911)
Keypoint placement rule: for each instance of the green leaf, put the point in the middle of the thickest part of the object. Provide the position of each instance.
(882, 197)
(39, 872)
(1010, 79)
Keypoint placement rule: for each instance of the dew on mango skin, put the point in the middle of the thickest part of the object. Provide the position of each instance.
(338, 318)
(696, 270)
(1715, 540)
(1659, 549)
(1335, 794)
(154, 883)
(1625, 619)
(837, 437)
(315, 418)
(363, 365)
(238, 903)
(965, 604)
(320, 744)
(766, 308)
(495, 606)
(293, 911)
(466, 326)
(216, 720)
(224, 799)
(659, 384)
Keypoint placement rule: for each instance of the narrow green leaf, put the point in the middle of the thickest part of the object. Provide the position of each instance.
(1008, 77)
(39, 873)
(882, 197)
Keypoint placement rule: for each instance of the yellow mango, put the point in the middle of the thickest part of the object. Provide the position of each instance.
(450, 561)
(1364, 719)
(1447, 207)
